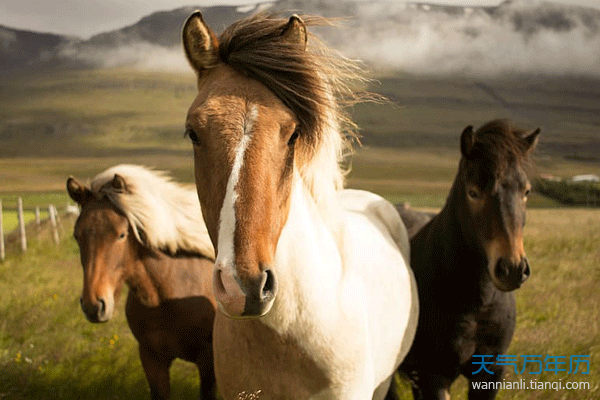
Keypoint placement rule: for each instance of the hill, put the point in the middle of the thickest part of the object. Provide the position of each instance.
(426, 39)
(26, 49)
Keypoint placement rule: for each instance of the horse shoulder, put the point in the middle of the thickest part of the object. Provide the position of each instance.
(381, 213)
(389, 284)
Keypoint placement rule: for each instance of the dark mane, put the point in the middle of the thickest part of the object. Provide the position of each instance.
(501, 144)
(311, 82)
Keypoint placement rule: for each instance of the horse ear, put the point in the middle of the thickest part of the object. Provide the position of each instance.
(295, 31)
(467, 140)
(78, 192)
(119, 184)
(200, 43)
(531, 139)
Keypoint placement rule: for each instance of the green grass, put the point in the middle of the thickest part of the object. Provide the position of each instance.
(10, 219)
(49, 350)
(31, 200)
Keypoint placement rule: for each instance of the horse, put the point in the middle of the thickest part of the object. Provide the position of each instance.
(139, 227)
(314, 294)
(413, 219)
(468, 260)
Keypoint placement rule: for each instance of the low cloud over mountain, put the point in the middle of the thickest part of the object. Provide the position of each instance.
(514, 37)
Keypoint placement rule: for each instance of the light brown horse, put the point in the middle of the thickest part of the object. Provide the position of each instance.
(138, 227)
(316, 300)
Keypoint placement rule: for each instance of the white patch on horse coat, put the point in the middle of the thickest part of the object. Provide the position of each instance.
(332, 299)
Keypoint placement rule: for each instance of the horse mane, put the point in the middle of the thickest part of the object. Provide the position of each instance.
(314, 83)
(502, 144)
(163, 214)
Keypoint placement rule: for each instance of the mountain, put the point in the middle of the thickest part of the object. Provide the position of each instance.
(163, 28)
(514, 37)
(24, 49)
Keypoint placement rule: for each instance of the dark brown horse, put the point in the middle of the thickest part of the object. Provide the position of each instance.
(138, 227)
(467, 260)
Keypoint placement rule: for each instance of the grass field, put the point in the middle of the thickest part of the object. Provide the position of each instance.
(48, 349)
(82, 122)
(10, 219)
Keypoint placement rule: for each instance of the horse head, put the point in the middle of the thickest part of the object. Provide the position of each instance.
(494, 186)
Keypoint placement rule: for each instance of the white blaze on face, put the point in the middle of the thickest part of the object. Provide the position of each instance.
(227, 217)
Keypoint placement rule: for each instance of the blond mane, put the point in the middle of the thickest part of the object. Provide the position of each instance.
(164, 214)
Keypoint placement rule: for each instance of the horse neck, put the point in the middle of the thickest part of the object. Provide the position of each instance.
(307, 257)
(458, 245)
(157, 276)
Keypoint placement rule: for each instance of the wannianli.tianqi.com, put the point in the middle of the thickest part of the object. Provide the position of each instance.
(577, 364)
(532, 384)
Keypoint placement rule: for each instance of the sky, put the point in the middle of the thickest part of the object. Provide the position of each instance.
(84, 18)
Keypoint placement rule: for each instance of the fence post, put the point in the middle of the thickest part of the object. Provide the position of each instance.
(37, 217)
(56, 214)
(22, 224)
(52, 214)
(2, 253)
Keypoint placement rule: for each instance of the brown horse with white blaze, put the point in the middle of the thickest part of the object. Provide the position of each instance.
(138, 227)
(315, 297)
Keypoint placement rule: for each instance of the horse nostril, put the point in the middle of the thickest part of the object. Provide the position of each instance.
(101, 308)
(269, 286)
(526, 270)
(218, 285)
(502, 270)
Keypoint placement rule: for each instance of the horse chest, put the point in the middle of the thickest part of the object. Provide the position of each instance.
(460, 316)
(178, 327)
(250, 356)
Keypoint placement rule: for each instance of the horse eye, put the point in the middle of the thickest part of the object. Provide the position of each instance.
(293, 138)
(192, 135)
(122, 235)
(473, 194)
(527, 192)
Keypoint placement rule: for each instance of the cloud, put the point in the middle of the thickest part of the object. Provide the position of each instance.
(517, 37)
(141, 55)
(7, 38)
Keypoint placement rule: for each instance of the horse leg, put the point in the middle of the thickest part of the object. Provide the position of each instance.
(492, 382)
(206, 370)
(500, 340)
(156, 366)
(431, 387)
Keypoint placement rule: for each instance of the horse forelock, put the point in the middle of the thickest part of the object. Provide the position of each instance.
(166, 213)
(502, 146)
(314, 83)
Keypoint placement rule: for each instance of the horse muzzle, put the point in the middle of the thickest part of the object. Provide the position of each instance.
(244, 299)
(509, 276)
(100, 310)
